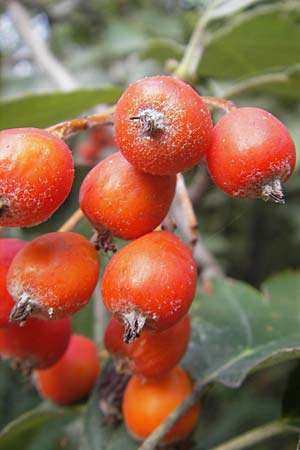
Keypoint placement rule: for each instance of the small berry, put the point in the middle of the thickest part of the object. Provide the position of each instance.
(36, 345)
(162, 125)
(116, 196)
(53, 276)
(73, 376)
(36, 175)
(147, 403)
(8, 249)
(153, 354)
(251, 154)
(150, 283)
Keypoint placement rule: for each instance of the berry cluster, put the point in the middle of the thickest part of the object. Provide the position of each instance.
(162, 127)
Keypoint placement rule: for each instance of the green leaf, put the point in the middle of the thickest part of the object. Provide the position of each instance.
(97, 434)
(263, 40)
(161, 49)
(42, 110)
(237, 330)
(20, 432)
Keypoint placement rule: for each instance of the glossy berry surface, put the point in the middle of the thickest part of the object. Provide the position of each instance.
(37, 344)
(129, 203)
(8, 249)
(72, 377)
(153, 354)
(162, 125)
(251, 154)
(36, 175)
(53, 276)
(150, 283)
(147, 403)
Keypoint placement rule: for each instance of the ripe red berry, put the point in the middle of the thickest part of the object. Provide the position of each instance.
(147, 403)
(36, 175)
(73, 376)
(53, 276)
(153, 354)
(86, 153)
(150, 283)
(8, 249)
(162, 125)
(251, 154)
(37, 344)
(116, 196)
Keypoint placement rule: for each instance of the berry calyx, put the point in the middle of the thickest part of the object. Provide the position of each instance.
(73, 376)
(53, 276)
(8, 249)
(251, 154)
(117, 197)
(162, 125)
(147, 403)
(36, 175)
(150, 283)
(36, 345)
(153, 354)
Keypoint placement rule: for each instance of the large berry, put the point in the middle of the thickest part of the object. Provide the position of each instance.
(150, 283)
(117, 197)
(153, 354)
(36, 345)
(36, 175)
(147, 403)
(251, 154)
(162, 125)
(8, 249)
(53, 276)
(73, 376)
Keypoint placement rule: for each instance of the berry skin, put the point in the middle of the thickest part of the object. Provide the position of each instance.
(115, 196)
(162, 126)
(53, 276)
(147, 403)
(37, 344)
(150, 283)
(152, 355)
(251, 154)
(72, 377)
(8, 249)
(36, 175)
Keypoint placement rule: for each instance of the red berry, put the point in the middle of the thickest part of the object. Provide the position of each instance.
(8, 249)
(147, 403)
(86, 153)
(37, 344)
(150, 283)
(53, 276)
(115, 196)
(36, 175)
(162, 125)
(251, 154)
(152, 355)
(72, 378)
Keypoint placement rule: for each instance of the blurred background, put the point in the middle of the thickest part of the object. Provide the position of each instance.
(250, 54)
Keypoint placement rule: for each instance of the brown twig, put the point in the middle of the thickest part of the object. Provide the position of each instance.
(219, 103)
(66, 129)
(72, 221)
(39, 49)
(199, 185)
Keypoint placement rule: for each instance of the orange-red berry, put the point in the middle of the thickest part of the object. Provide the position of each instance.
(162, 125)
(53, 276)
(72, 377)
(116, 196)
(150, 283)
(251, 154)
(147, 403)
(153, 354)
(36, 175)
(36, 345)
